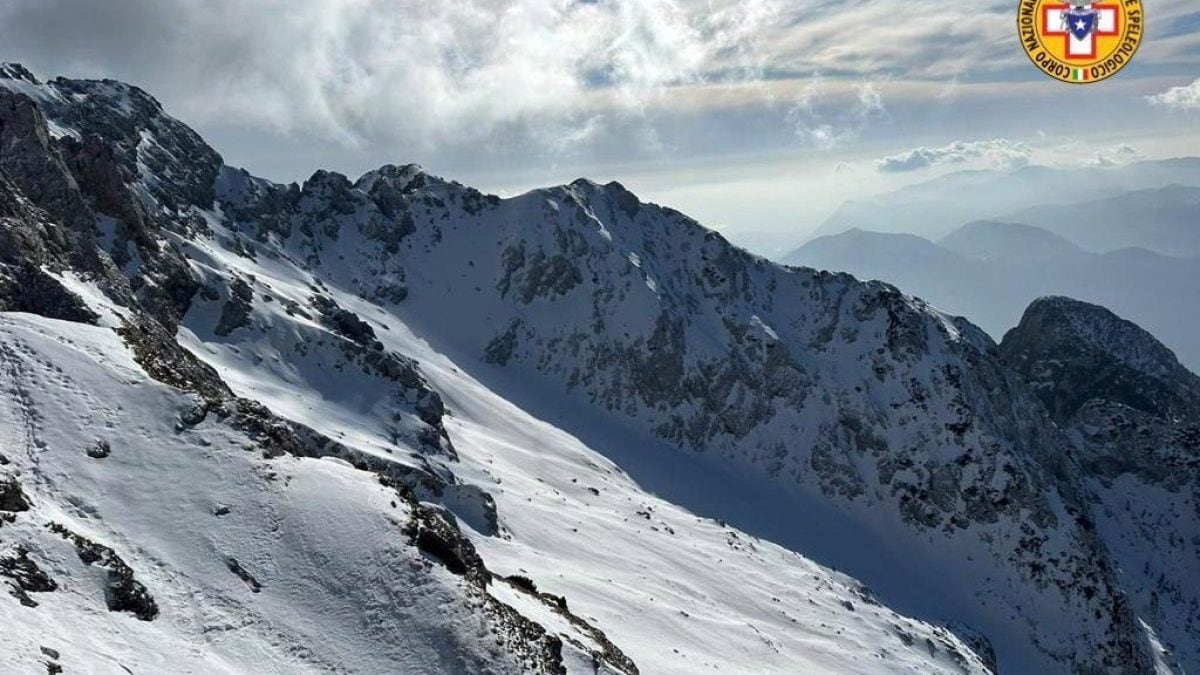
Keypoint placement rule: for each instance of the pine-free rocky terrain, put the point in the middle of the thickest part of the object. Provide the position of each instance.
(394, 424)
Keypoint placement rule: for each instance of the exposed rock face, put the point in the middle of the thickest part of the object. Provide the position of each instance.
(25, 577)
(1074, 352)
(12, 498)
(236, 312)
(1133, 413)
(124, 593)
(114, 174)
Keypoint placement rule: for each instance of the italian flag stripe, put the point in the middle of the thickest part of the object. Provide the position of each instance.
(1079, 74)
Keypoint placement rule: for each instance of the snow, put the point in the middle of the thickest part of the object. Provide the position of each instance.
(676, 590)
(340, 589)
(111, 315)
(315, 533)
(666, 587)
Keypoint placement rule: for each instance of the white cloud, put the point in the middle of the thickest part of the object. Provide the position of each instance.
(414, 71)
(530, 78)
(1116, 156)
(825, 118)
(998, 152)
(1184, 98)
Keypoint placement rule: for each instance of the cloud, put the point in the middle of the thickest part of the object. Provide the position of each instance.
(1184, 98)
(412, 71)
(998, 152)
(826, 119)
(466, 83)
(1115, 156)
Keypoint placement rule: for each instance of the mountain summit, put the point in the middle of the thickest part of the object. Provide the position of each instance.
(1074, 352)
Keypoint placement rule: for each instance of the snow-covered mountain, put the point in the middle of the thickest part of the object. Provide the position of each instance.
(393, 423)
(1134, 417)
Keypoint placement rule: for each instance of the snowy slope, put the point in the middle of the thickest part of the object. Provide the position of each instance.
(588, 383)
(252, 564)
(665, 584)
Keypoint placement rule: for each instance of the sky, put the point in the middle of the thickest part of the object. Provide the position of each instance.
(758, 117)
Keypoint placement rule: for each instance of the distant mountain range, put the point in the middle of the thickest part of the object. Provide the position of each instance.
(1165, 220)
(1151, 204)
(990, 271)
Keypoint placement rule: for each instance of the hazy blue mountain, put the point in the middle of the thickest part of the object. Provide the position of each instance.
(937, 207)
(993, 240)
(1166, 220)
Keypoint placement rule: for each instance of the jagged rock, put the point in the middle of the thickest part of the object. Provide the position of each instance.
(33, 164)
(25, 577)
(161, 356)
(346, 323)
(25, 288)
(437, 535)
(124, 593)
(434, 533)
(12, 498)
(91, 169)
(608, 653)
(236, 312)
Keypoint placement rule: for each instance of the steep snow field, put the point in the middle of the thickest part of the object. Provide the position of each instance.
(340, 589)
(679, 593)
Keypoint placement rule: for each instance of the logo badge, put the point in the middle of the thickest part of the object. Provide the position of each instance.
(1080, 42)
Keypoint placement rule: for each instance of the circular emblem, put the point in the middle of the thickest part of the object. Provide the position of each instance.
(1078, 41)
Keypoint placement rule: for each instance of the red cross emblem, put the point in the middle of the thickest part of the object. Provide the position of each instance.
(1080, 48)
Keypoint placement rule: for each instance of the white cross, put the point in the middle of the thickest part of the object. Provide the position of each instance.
(1106, 24)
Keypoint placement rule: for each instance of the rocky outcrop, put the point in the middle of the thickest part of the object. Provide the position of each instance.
(12, 498)
(1133, 414)
(1074, 352)
(439, 537)
(236, 312)
(123, 592)
(25, 577)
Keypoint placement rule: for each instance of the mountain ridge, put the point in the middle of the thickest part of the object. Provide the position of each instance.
(936, 207)
(995, 289)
